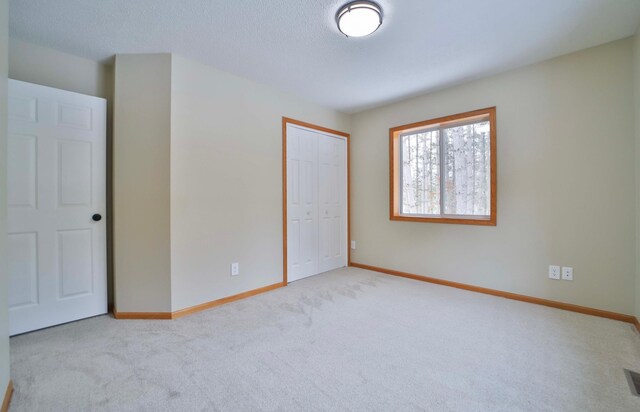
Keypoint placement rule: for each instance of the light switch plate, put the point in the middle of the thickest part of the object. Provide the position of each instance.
(353, 245)
(235, 269)
(554, 272)
(567, 273)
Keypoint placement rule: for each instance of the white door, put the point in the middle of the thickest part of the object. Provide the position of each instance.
(56, 206)
(316, 202)
(332, 184)
(302, 203)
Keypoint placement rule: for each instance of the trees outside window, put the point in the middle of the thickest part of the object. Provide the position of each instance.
(443, 170)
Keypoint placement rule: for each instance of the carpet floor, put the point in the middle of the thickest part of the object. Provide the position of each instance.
(348, 340)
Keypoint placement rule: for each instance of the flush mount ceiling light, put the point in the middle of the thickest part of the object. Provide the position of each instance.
(359, 18)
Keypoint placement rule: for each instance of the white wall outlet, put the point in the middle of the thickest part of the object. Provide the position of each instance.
(554, 272)
(353, 245)
(567, 273)
(235, 269)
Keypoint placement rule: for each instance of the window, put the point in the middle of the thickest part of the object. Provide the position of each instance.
(444, 170)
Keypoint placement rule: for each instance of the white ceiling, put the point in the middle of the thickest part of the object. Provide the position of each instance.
(294, 45)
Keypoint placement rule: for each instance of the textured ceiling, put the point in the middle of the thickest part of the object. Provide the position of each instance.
(294, 45)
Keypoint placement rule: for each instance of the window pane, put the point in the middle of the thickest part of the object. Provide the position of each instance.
(421, 173)
(467, 171)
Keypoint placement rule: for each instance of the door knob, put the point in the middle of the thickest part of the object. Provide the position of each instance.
(97, 217)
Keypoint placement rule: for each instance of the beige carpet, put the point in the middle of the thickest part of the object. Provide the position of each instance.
(348, 340)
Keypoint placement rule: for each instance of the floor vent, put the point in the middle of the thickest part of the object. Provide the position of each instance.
(634, 381)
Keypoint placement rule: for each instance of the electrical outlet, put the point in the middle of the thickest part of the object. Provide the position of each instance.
(235, 269)
(353, 245)
(567, 273)
(554, 272)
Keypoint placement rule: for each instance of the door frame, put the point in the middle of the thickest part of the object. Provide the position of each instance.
(347, 137)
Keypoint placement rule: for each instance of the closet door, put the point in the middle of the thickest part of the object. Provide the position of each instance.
(332, 181)
(302, 203)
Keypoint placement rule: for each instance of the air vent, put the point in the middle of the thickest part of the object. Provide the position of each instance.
(634, 381)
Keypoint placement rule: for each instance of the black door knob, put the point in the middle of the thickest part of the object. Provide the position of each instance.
(97, 217)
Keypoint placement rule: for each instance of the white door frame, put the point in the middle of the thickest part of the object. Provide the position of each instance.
(333, 133)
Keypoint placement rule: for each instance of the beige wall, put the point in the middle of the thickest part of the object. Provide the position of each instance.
(141, 145)
(226, 180)
(566, 190)
(4, 280)
(636, 83)
(41, 65)
(141, 171)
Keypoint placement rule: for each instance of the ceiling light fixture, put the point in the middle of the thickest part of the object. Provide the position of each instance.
(359, 18)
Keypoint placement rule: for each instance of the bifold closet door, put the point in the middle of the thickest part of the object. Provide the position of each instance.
(332, 183)
(302, 203)
(316, 203)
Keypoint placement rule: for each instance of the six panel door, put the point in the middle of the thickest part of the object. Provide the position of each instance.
(56, 181)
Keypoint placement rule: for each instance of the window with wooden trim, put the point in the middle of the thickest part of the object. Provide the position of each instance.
(444, 170)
